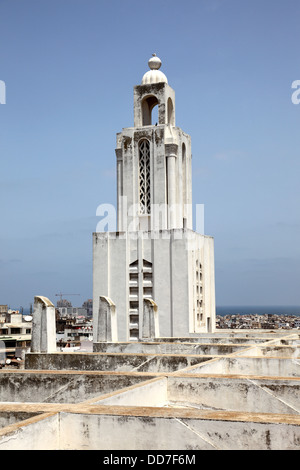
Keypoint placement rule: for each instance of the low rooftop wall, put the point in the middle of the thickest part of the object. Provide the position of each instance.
(59, 387)
(7, 418)
(113, 361)
(128, 428)
(168, 348)
(241, 394)
(252, 365)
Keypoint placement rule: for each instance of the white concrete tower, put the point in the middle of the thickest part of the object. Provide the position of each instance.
(155, 254)
(154, 161)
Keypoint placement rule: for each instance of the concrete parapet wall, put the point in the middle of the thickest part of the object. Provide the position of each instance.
(247, 394)
(240, 363)
(129, 428)
(241, 394)
(167, 348)
(152, 393)
(59, 387)
(43, 326)
(114, 361)
(7, 418)
(236, 336)
(263, 366)
(236, 393)
(40, 432)
(279, 351)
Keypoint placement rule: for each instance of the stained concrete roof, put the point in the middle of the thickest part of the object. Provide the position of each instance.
(248, 398)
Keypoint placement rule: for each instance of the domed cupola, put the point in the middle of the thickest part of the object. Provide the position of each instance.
(154, 75)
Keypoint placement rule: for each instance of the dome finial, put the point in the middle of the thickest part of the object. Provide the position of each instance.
(154, 75)
(155, 62)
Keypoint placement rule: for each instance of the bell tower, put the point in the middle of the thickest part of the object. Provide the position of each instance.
(154, 161)
(155, 256)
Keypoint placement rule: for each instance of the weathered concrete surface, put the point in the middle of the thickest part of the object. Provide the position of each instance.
(279, 351)
(150, 393)
(125, 428)
(167, 348)
(60, 387)
(40, 432)
(247, 394)
(234, 393)
(7, 418)
(114, 361)
(264, 366)
(150, 325)
(240, 336)
(106, 326)
(245, 398)
(242, 394)
(43, 326)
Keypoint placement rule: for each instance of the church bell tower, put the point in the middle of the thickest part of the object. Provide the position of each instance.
(155, 254)
(154, 161)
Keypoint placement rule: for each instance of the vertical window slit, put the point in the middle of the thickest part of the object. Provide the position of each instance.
(144, 177)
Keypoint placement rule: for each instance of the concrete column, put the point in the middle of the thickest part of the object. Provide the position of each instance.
(140, 257)
(43, 326)
(120, 221)
(150, 326)
(171, 154)
(107, 322)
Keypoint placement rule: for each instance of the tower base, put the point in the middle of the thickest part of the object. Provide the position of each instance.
(175, 268)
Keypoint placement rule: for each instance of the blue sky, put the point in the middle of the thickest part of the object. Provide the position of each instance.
(70, 66)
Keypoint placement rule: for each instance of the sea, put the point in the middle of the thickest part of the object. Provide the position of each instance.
(246, 310)
(258, 310)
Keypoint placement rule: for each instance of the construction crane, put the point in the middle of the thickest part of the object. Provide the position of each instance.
(60, 295)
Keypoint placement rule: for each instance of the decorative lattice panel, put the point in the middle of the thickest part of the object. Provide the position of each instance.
(144, 177)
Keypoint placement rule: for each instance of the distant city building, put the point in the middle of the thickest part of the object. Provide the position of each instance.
(88, 305)
(72, 311)
(15, 333)
(65, 309)
(3, 313)
(264, 322)
(64, 303)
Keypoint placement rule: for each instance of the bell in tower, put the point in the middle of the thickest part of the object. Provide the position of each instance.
(155, 254)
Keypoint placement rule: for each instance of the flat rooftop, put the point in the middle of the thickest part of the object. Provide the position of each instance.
(228, 390)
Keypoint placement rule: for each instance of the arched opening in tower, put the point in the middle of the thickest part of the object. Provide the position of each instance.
(148, 103)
